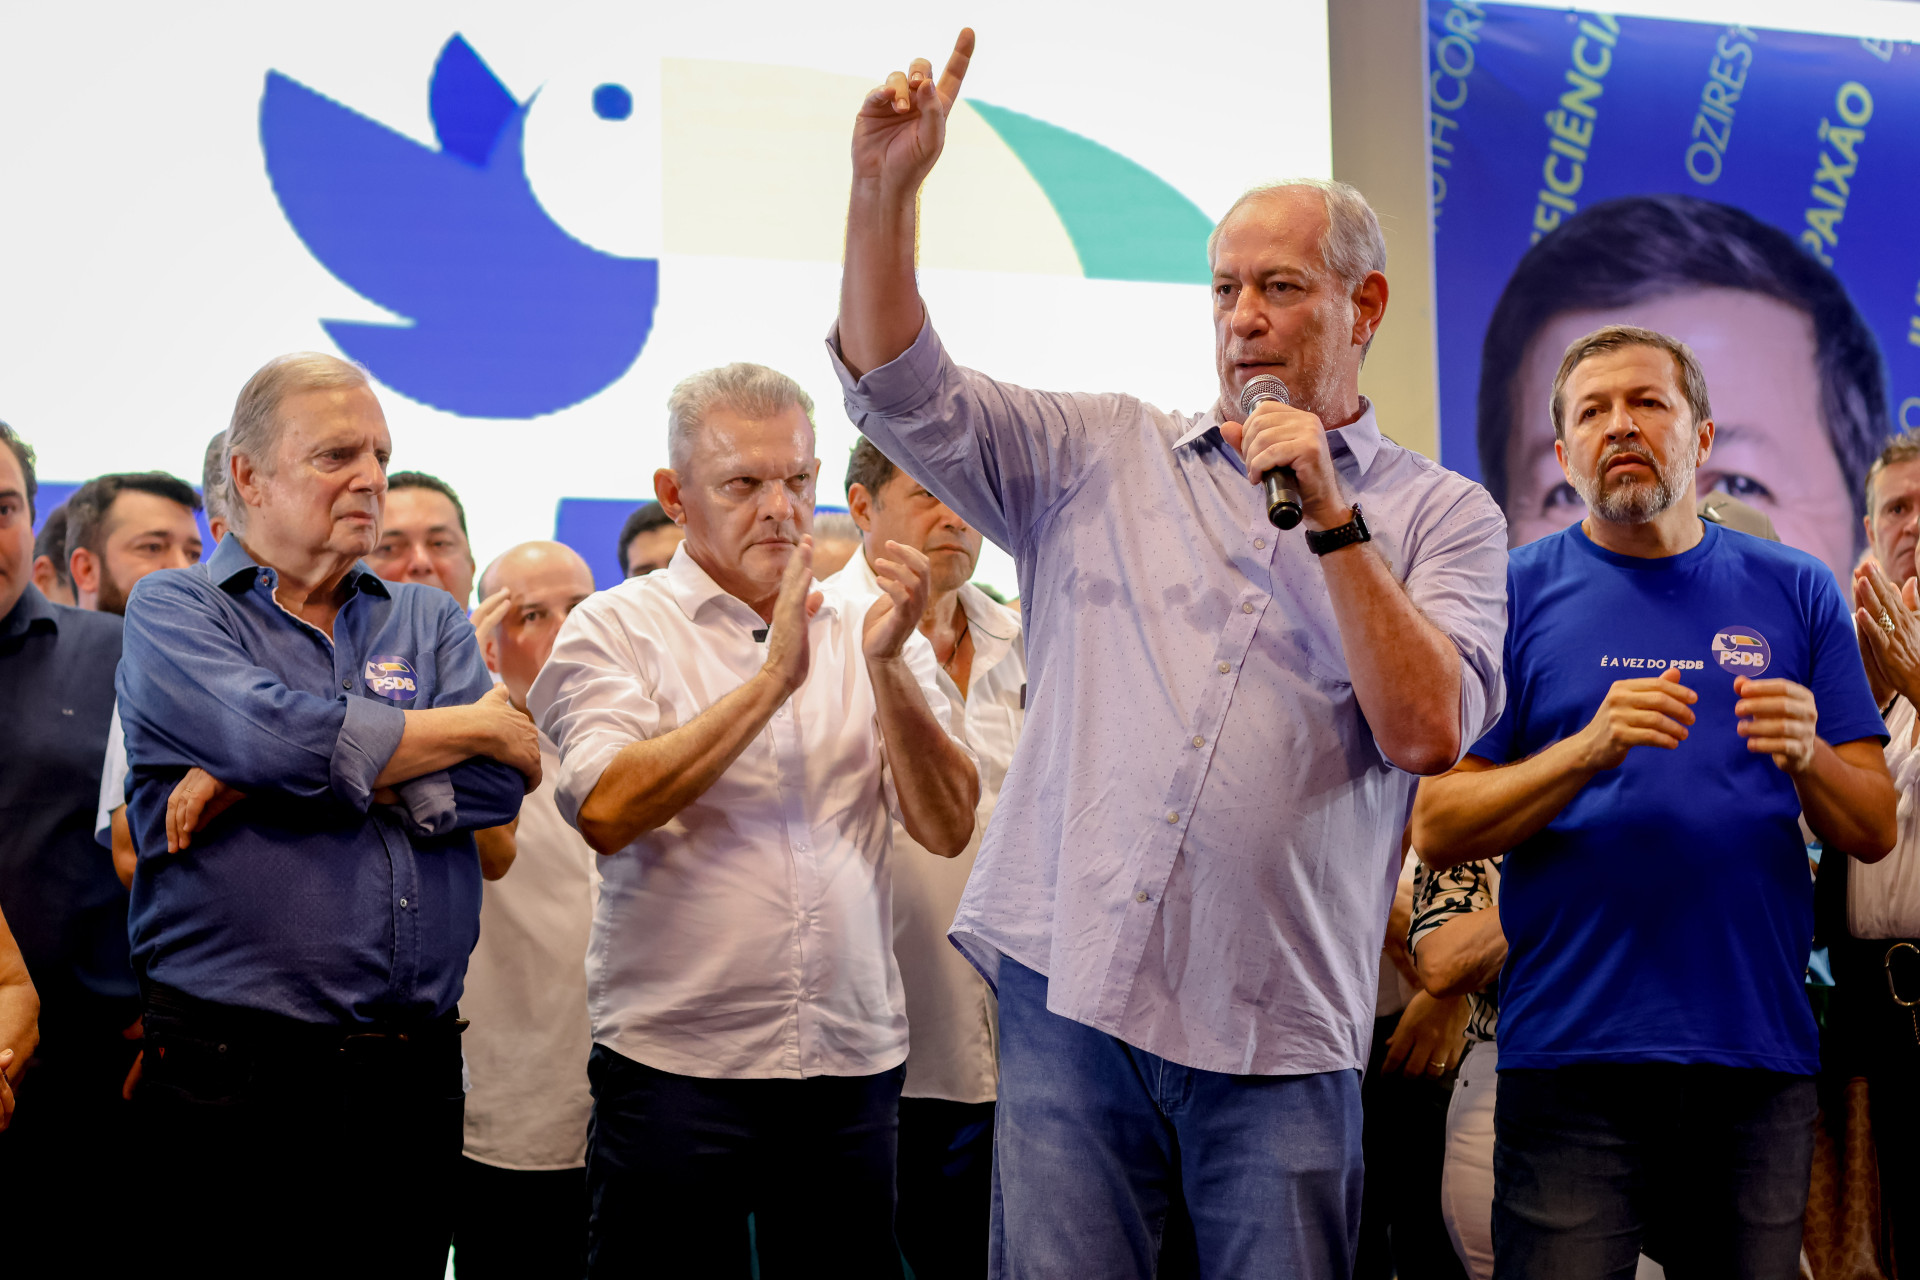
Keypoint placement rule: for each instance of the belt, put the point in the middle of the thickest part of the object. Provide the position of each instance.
(166, 1005)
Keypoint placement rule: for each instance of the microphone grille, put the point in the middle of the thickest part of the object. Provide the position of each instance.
(1263, 388)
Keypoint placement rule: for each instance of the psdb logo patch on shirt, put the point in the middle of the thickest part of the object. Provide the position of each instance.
(391, 676)
(1741, 651)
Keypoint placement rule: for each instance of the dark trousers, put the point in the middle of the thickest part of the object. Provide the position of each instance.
(1592, 1161)
(1872, 1035)
(65, 1157)
(271, 1146)
(1404, 1136)
(946, 1187)
(675, 1164)
(519, 1224)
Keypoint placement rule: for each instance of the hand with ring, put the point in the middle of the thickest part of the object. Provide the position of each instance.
(1430, 1039)
(1887, 619)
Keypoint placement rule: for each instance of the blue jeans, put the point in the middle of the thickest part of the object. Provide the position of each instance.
(1705, 1167)
(1112, 1162)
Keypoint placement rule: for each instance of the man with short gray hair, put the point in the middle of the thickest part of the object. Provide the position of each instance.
(1182, 897)
(735, 740)
(311, 751)
(1682, 694)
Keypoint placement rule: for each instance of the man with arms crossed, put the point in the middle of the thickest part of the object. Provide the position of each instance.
(1656, 1044)
(1182, 898)
(732, 741)
(311, 748)
(946, 1104)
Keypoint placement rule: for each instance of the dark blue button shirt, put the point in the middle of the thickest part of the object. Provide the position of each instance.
(306, 899)
(57, 887)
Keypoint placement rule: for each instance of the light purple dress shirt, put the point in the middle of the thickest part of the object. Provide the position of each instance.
(1198, 839)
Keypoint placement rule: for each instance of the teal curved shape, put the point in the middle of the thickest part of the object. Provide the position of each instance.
(1126, 222)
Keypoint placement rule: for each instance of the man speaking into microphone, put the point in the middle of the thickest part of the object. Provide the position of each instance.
(1182, 901)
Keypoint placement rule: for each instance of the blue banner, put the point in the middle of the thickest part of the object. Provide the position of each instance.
(1755, 193)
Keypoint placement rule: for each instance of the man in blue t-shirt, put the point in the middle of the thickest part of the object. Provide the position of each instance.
(1678, 696)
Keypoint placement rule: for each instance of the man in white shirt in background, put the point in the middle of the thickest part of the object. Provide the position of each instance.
(946, 1105)
(734, 741)
(523, 1209)
(1868, 914)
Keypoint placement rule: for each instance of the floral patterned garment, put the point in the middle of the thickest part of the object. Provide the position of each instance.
(1439, 896)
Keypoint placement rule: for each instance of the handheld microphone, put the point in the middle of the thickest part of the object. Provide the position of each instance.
(1283, 500)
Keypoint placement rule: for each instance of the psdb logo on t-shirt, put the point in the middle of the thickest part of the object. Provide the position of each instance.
(1741, 651)
(391, 676)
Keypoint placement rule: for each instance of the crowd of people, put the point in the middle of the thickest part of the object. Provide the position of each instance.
(1362, 900)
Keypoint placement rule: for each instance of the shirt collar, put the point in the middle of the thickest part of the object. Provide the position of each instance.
(234, 570)
(31, 612)
(1357, 443)
(694, 589)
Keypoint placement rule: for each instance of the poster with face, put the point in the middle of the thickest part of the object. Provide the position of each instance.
(1754, 193)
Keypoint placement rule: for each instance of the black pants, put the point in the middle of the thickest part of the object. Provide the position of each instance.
(675, 1164)
(518, 1224)
(66, 1159)
(1404, 1138)
(1591, 1161)
(275, 1147)
(946, 1187)
(1873, 1036)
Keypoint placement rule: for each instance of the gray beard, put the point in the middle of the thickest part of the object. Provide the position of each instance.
(1636, 502)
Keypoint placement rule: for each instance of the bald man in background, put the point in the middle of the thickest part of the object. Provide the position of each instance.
(523, 1202)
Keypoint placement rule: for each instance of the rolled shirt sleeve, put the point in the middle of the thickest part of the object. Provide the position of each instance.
(200, 699)
(1458, 581)
(477, 793)
(998, 454)
(592, 699)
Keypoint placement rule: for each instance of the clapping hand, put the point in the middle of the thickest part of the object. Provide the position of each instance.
(788, 650)
(906, 577)
(1646, 711)
(1888, 630)
(1778, 718)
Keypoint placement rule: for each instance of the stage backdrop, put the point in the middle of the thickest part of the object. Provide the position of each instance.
(1540, 115)
(530, 221)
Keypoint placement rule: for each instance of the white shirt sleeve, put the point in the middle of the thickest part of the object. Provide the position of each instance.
(113, 781)
(591, 699)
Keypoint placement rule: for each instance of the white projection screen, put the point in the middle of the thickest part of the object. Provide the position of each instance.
(530, 221)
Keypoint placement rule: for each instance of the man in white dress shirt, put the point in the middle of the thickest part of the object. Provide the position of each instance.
(946, 1105)
(522, 1210)
(734, 741)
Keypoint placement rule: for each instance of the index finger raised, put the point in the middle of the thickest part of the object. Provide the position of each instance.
(956, 68)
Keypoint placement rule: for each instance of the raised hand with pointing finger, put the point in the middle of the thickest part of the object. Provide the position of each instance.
(902, 124)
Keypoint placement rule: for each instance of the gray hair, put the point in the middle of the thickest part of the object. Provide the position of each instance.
(256, 426)
(750, 390)
(213, 479)
(1904, 447)
(1351, 247)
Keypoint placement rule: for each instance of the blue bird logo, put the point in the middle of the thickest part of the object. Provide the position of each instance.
(508, 316)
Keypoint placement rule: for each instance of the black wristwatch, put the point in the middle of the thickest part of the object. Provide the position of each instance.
(1354, 530)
